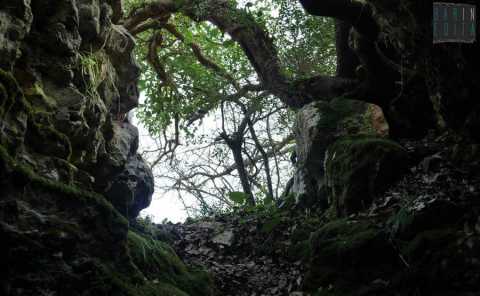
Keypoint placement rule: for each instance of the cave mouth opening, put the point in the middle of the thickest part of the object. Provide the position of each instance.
(301, 45)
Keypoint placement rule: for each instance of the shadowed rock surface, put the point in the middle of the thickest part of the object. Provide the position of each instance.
(70, 175)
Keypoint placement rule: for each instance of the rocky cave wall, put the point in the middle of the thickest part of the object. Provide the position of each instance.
(74, 71)
(71, 177)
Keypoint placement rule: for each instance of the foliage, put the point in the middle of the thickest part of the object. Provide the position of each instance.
(198, 84)
(306, 44)
(93, 69)
(237, 197)
(306, 47)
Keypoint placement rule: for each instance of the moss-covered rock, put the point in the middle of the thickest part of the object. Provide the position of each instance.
(59, 155)
(317, 126)
(440, 262)
(438, 242)
(417, 216)
(66, 240)
(160, 265)
(360, 168)
(13, 116)
(348, 255)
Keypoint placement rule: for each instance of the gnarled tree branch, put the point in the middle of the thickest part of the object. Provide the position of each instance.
(256, 44)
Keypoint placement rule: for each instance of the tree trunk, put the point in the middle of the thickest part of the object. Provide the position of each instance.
(236, 148)
(347, 60)
(266, 162)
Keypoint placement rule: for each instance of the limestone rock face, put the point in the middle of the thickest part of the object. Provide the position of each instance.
(78, 76)
(70, 176)
(131, 191)
(15, 21)
(320, 124)
(120, 46)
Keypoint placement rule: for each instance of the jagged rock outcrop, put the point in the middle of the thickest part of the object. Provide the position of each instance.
(78, 77)
(70, 175)
(318, 125)
(131, 191)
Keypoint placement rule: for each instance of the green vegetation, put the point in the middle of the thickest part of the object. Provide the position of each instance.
(218, 125)
(201, 65)
(95, 68)
(160, 265)
(109, 280)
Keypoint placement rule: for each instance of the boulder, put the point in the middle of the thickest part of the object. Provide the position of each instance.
(131, 191)
(357, 169)
(317, 126)
(348, 254)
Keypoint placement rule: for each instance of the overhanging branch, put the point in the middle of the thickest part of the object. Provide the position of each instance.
(256, 44)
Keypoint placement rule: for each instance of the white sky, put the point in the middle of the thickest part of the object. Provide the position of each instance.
(164, 205)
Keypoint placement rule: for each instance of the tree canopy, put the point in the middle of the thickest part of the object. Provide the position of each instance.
(220, 78)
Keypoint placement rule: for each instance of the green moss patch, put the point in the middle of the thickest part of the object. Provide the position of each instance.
(24, 174)
(108, 280)
(152, 267)
(159, 263)
(359, 168)
(39, 100)
(348, 254)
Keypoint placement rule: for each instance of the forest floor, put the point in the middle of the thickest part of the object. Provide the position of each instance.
(244, 256)
(261, 253)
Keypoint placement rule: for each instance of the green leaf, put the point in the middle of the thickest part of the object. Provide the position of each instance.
(237, 197)
(229, 42)
(271, 224)
(268, 200)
